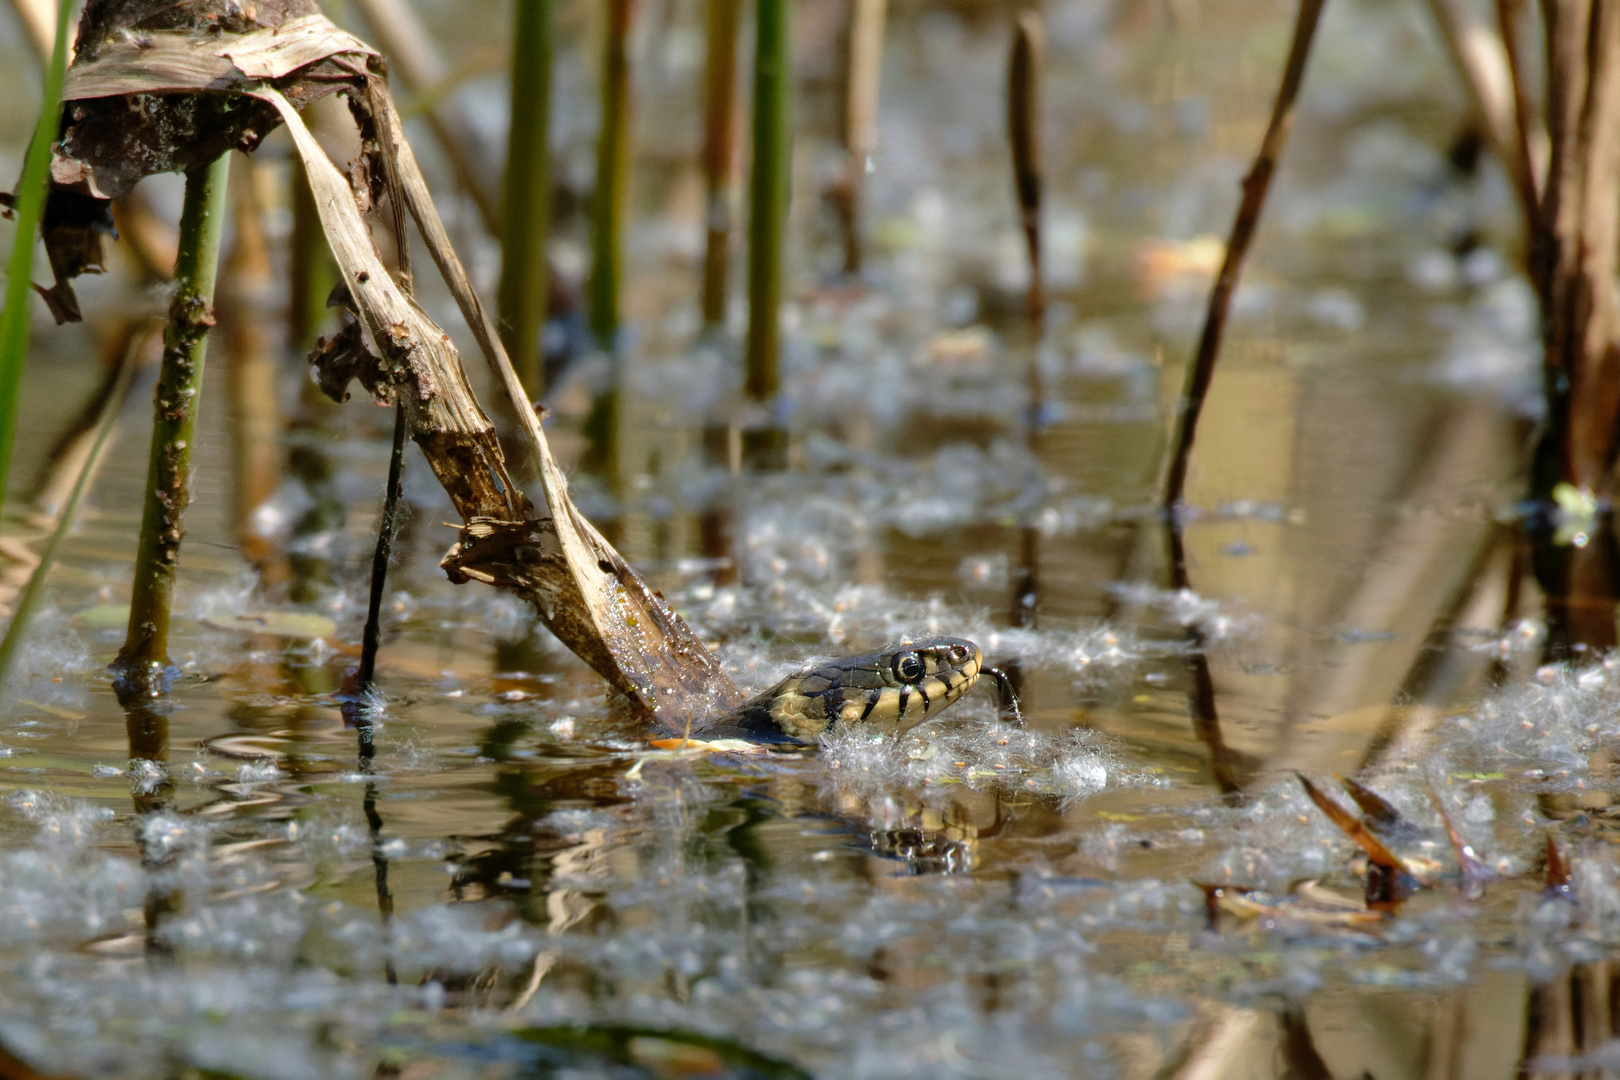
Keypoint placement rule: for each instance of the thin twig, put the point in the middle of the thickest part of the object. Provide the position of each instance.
(387, 527)
(1255, 186)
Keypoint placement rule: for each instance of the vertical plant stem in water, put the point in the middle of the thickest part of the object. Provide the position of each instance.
(1024, 135)
(29, 207)
(612, 176)
(527, 210)
(141, 663)
(1255, 186)
(769, 190)
(719, 153)
(386, 529)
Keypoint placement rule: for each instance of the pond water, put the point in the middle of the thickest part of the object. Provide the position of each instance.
(515, 884)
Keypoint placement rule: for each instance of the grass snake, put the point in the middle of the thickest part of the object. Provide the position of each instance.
(888, 691)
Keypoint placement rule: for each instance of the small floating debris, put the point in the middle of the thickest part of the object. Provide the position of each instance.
(298, 625)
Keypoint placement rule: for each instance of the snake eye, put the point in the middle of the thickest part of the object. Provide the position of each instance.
(908, 667)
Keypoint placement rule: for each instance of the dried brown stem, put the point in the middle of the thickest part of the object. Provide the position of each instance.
(1024, 132)
(1583, 317)
(1255, 186)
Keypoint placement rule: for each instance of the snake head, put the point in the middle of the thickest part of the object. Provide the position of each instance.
(895, 690)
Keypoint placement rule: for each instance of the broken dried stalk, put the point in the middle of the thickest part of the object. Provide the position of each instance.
(245, 83)
(582, 588)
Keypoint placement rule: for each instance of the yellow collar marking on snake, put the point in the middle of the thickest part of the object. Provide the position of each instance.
(894, 691)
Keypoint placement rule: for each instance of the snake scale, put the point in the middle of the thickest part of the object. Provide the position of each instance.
(887, 691)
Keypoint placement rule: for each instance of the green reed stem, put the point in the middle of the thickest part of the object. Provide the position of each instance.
(28, 209)
(769, 189)
(522, 294)
(719, 150)
(141, 663)
(612, 176)
(28, 601)
(311, 272)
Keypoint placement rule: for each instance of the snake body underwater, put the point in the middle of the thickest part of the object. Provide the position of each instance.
(886, 691)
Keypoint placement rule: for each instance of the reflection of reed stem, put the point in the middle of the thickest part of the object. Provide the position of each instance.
(111, 406)
(612, 176)
(769, 189)
(719, 153)
(168, 484)
(28, 209)
(527, 208)
(1255, 186)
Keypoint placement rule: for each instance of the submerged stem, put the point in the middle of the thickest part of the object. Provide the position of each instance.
(524, 228)
(141, 663)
